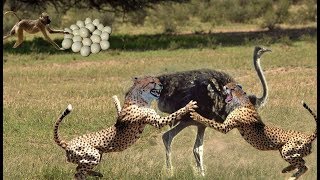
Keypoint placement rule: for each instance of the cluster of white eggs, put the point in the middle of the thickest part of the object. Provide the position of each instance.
(87, 37)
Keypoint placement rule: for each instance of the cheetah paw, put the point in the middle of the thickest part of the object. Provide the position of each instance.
(191, 106)
(195, 116)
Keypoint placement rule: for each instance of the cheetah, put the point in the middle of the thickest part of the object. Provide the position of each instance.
(293, 145)
(86, 150)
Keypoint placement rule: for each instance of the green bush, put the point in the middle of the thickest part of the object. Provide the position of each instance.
(275, 14)
(304, 13)
(137, 17)
(73, 15)
(169, 16)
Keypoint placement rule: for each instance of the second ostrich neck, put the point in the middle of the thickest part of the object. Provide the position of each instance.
(260, 100)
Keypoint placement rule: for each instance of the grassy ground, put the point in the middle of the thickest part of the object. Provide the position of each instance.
(38, 86)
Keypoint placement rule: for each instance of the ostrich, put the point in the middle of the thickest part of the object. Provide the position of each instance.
(181, 87)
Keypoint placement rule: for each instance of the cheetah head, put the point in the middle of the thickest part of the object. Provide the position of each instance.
(236, 95)
(148, 88)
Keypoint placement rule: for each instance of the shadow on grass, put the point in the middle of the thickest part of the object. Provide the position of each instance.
(54, 172)
(176, 41)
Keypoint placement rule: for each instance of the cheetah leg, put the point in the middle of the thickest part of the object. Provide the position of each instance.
(85, 169)
(94, 173)
(167, 138)
(293, 152)
(300, 171)
(198, 149)
(86, 165)
(295, 162)
(288, 168)
(81, 172)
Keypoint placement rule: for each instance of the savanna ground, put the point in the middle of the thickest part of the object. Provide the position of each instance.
(40, 82)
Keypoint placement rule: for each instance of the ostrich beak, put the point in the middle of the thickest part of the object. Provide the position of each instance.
(266, 50)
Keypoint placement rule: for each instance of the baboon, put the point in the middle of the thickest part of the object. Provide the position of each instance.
(33, 26)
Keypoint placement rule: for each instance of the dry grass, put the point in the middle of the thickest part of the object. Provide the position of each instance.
(37, 89)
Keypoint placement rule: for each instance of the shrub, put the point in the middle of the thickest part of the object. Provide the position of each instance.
(275, 14)
(303, 13)
(137, 17)
(169, 16)
(73, 15)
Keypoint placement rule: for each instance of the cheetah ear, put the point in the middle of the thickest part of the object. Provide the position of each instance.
(239, 85)
(135, 79)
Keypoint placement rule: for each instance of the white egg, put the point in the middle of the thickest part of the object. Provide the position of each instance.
(76, 46)
(107, 29)
(68, 30)
(91, 27)
(73, 27)
(84, 32)
(77, 38)
(96, 22)
(95, 48)
(104, 36)
(95, 38)
(85, 50)
(86, 42)
(104, 44)
(100, 26)
(80, 24)
(76, 32)
(66, 43)
(68, 36)
(87, 21)
(97, 32)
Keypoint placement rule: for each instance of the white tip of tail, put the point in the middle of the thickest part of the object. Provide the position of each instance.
(302, 102)
(69, 107)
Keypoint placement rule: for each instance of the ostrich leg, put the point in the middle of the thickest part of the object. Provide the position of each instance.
(167, 138)
(198, 148)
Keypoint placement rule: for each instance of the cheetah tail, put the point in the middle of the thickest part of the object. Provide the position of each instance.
(314, 135)
(57, 139)
(14, 14)
(117, 104)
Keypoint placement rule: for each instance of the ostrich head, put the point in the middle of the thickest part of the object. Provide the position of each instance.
(258, 51)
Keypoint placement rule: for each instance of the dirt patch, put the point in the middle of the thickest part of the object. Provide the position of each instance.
(289, 70)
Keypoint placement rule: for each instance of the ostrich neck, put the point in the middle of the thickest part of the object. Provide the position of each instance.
(261, 100)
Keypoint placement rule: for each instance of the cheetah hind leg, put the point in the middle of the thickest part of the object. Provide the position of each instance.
(298, 163)
(288, 168)
(301, 170)
(85, 169)
(80, 175)
(94, 173)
